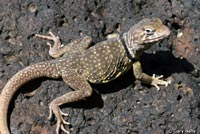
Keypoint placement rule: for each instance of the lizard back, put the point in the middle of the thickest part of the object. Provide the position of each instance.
(105, 61)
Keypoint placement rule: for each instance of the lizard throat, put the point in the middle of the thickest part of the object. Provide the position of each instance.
(132, 49)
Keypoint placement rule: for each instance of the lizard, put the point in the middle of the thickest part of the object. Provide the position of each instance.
(79, 64)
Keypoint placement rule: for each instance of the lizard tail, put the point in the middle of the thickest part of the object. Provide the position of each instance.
(42, 69)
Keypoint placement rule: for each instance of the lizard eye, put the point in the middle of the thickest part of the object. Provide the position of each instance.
(149, 31)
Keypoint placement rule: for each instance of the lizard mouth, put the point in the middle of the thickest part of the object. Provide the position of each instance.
(155, 39)
(158, 38)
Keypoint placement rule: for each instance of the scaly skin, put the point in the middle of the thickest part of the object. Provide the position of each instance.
(78, 64)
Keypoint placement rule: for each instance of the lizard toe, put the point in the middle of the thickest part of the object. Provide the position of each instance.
(158, 81)
(60, 125)
(54, 109)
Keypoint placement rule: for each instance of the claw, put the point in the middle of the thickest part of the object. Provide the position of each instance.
(154, 76)
(54, 38)
(64, 130)
(54, 49)
(48, 44)
(50, 113)
(65, 122)
(157, 87)
(51, 36)
(157, 81)
(44, 36)
(60, 125)
(64, 114)
(60, 120)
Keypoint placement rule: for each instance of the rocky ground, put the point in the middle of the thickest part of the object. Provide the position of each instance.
(122, 106)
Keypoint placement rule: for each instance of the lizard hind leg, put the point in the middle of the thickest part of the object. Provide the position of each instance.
(82, 89)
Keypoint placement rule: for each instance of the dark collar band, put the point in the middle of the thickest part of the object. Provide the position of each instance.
(124, 43)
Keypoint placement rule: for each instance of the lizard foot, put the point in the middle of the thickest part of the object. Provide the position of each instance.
(57, 43)
(157, 81)
(60, 120)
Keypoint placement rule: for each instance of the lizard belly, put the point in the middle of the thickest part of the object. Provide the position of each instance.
(113, 74)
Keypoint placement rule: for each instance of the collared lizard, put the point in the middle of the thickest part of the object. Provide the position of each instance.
(79, 63)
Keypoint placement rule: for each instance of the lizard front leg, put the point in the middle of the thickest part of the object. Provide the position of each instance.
(82, 89)
(154, 81)
(57, 50)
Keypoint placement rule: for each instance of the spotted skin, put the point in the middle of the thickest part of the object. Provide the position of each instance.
(79, 63)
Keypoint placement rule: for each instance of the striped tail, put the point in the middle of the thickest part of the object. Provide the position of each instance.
(42, 69)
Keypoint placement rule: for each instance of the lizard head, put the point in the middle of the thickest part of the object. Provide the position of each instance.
(146, 32)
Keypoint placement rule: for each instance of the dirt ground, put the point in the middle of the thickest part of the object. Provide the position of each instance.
(123, 106)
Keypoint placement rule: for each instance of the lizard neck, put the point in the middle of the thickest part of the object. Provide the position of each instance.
(134, 50)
